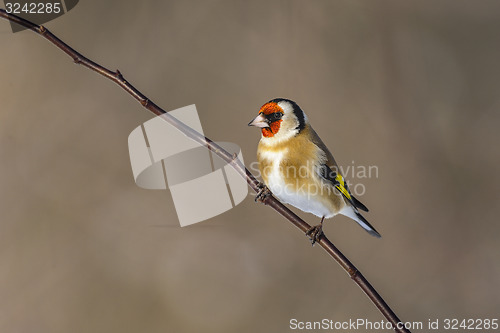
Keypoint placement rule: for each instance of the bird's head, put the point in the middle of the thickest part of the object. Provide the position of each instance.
(280, 119)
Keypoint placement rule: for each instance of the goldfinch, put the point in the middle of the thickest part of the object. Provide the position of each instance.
(299, 169)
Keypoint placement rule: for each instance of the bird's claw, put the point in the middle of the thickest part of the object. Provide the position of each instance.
(315, 233)
(263, 193)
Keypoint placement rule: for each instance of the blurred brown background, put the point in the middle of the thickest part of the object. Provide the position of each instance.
(408, 86)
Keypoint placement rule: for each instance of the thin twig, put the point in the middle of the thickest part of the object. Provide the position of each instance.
(118, 78)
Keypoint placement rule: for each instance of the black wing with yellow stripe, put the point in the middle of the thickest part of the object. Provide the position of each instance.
(338, 181)
(327, 173)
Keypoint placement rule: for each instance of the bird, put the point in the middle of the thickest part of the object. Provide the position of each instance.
(298, 169)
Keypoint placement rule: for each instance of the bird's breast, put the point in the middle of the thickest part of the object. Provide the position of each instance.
(270, 164)
(292, 179)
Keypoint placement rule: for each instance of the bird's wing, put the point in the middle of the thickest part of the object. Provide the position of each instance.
(331, 172)
(330, 161)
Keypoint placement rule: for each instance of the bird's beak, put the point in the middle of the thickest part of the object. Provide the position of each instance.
(259, 121)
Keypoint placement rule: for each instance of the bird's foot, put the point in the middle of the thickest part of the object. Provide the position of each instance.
(263, 193)
(315, 233)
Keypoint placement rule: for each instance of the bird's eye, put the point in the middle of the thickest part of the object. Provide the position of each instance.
(276, 116)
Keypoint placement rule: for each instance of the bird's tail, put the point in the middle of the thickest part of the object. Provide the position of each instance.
(351, 212)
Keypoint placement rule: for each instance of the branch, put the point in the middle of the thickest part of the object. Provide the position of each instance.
(118, 78)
